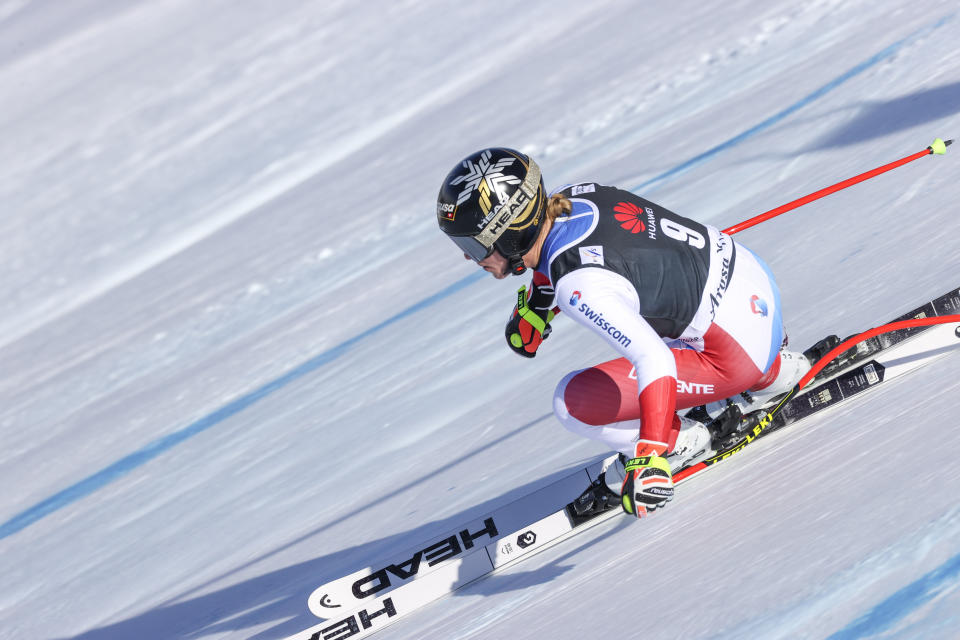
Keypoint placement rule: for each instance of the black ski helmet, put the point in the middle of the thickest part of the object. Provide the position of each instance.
(493, 199)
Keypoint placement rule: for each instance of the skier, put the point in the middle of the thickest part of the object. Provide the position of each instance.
(694, 315)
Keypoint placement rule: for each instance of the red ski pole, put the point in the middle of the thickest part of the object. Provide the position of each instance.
(849, 343)
(760, 426)
(938, 147)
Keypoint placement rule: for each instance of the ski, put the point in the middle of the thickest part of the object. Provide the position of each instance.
(373, 597)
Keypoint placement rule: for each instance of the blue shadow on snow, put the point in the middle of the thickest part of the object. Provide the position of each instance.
(902, 603)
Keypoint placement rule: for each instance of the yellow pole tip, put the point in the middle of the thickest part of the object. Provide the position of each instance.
(939, 147)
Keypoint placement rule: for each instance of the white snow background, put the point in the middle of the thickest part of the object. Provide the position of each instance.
(239, 359)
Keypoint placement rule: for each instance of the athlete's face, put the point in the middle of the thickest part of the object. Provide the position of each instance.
(495, 263)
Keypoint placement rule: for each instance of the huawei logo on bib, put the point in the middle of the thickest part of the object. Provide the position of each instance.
(630, 217)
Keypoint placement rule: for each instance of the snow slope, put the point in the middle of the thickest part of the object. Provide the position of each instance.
(239, 360)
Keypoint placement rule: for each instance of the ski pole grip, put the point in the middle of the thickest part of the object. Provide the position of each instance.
(939, 146)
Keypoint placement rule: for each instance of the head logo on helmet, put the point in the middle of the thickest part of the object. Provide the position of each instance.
(494, 198)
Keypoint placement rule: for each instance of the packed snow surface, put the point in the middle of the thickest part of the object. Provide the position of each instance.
(239, 359)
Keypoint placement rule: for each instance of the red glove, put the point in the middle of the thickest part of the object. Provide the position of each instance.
(529, 324)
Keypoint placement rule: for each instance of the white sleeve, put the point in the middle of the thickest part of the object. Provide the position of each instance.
(608, 305)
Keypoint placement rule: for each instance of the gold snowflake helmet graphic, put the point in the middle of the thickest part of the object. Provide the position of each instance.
(493, 199)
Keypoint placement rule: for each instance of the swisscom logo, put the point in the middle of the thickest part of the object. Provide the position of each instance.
(597, 318)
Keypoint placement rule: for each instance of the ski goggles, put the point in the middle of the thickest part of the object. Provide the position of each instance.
(472, 247)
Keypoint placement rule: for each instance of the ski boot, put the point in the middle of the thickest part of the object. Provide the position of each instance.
(793, 366)
(694, 443)
(599, 496)
(732, 427)
(815, 353)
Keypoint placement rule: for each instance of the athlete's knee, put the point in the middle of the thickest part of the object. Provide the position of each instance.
(589, 396)
(567, 410)
(560, 409)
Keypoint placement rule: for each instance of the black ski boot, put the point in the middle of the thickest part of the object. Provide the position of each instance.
(726, 427)
(815, 353)
(596, 499)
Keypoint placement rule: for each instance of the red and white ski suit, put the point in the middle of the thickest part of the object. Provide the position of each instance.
(694, 316)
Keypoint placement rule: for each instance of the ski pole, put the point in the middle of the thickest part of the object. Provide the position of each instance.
(753, 429)
(847, 344)
(938, 147)
(851, 342)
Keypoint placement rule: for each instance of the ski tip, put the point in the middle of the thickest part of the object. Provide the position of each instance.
(939, 146)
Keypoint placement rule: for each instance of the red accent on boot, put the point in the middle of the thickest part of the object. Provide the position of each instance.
(674, 432)
(648, 448)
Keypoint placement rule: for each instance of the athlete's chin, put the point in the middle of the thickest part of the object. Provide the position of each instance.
(499, 275)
